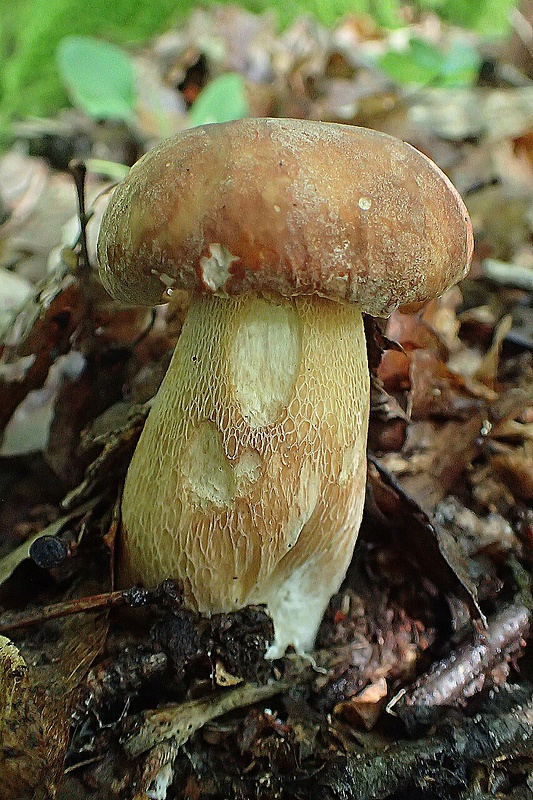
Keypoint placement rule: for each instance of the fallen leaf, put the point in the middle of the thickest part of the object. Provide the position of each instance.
(436, 391)
(515, 468)
(366, 707)
(57, 662)
(424, 543)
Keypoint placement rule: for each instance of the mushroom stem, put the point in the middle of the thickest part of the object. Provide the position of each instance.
(247, 484)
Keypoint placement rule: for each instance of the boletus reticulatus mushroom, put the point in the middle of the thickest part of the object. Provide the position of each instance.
(248, 481)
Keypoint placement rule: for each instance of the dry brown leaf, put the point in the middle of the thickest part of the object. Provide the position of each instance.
(488, 369)
(32, 757)
(420, 540)
(515, 468)
(438, 392)
(444, 452)
(412, 332)
(366, 707)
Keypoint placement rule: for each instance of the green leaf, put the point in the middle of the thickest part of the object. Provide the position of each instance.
(461, 65)
(99, 77)
(110, 169)
(423, 64)
(222, 100)
(419, 64)
(386, 13)
(487, 17)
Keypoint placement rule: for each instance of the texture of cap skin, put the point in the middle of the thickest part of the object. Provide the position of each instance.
(285, 206)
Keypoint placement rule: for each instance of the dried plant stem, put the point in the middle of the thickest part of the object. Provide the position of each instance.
(179, 722)
(23, 619)
(466, 669)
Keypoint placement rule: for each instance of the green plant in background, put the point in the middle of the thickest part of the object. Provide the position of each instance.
(424, 64)
(99, 77)
(31, 31)
(222, 100)
(486, 17)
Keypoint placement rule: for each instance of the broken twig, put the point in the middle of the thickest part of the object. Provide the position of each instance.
(465, 670)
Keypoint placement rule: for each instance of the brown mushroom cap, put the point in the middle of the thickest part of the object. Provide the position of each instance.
(286, 206)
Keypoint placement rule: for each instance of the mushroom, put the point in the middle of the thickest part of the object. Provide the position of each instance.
(248, 481)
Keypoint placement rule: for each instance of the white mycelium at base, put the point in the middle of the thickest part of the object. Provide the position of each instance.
(247, 484)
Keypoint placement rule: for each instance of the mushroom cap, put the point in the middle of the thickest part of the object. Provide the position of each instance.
(285, 206)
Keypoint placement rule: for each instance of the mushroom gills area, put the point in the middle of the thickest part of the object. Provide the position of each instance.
(247, 484)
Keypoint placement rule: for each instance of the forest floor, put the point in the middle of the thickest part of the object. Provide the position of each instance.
(422, 681)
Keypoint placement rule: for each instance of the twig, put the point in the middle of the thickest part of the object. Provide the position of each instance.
(179, 722)
(23, 619)
(78, 170)
(465, 670)
(441, 761)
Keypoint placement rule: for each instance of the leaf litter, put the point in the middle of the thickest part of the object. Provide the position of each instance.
(421, 681)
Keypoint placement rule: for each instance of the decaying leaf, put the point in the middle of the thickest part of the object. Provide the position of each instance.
(21, 733)
(36, 740)
(366, 707)
(430, 547)
(515, 467)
